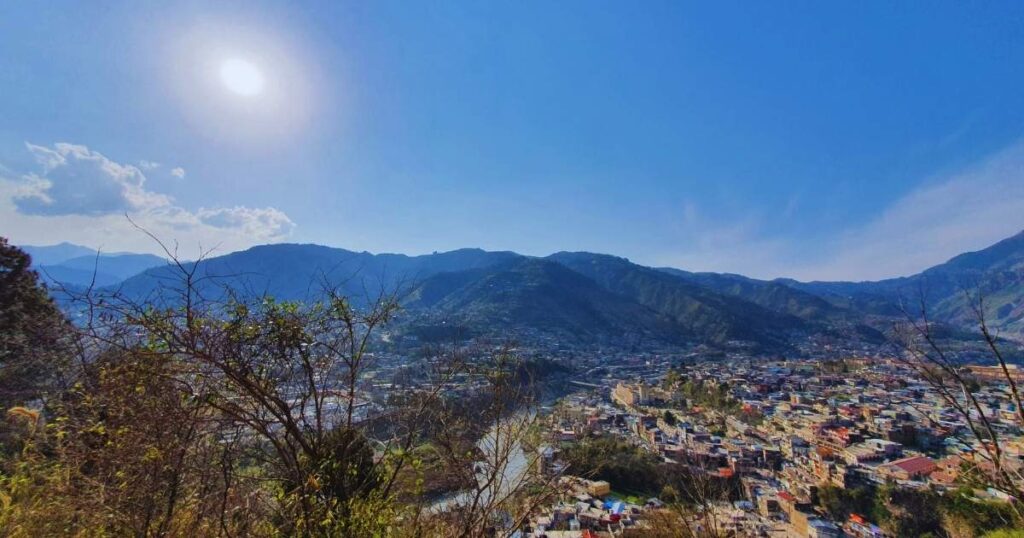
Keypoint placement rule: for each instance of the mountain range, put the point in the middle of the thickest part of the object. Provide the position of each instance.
(581, 295)
(74, 265)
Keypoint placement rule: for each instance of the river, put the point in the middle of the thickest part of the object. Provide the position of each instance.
(503, 453)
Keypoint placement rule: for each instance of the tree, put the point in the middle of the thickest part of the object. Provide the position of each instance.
(672, 378)
(1005, 533)
(907, 512)
(839, 503)
(285, 376)
(989, 464)
(503, 485)
(696, 503)
(231, 414)
(33, 331)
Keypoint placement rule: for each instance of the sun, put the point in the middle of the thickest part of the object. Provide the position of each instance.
(242, 85)
(241, 77)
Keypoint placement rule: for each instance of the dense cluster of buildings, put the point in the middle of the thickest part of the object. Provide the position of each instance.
(777, 431)
(783, 431)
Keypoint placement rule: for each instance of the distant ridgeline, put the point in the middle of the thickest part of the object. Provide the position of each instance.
(580, 297)
(74, 265)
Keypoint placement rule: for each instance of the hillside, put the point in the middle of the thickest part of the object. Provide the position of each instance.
(995, 273)
(101, 270)
(772, 295)
(55, 254)
(712, 316)
(492, 291)
(584, 295)
(540, 295)
(75, 266)
(300, 272)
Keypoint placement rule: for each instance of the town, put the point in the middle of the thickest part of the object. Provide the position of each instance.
(766, 448)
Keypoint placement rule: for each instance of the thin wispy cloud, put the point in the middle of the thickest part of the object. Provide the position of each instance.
(943, 217)
(967, 211)
(727, 243)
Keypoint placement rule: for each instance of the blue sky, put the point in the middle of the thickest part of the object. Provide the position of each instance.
(815, 140)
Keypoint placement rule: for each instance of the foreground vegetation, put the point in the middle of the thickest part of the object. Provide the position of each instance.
(235, 417)
(907, 512)
(224, 415)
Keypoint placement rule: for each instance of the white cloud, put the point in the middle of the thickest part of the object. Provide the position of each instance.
(77, 181)
(178, 172)
(148, 165)
(80, 195)
(260, 223)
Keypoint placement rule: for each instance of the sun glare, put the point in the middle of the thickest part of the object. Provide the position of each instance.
(241, 77)
(242, 85)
